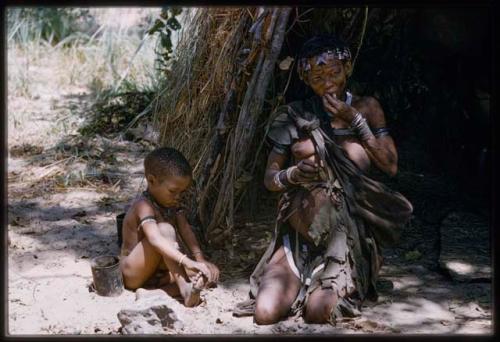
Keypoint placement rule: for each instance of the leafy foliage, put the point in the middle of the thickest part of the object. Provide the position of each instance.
(164, 25)
(112, 114)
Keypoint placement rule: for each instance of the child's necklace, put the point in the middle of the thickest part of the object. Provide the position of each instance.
(164, 211)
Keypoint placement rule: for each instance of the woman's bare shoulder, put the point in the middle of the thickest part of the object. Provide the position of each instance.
(371, 109)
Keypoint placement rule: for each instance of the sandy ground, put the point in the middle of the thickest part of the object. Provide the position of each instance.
(59, 222)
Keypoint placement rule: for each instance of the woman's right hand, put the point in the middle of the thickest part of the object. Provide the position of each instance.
(305, 171)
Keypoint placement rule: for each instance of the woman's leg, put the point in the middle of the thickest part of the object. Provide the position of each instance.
(322, 301)
(320, 305)
(278, 289)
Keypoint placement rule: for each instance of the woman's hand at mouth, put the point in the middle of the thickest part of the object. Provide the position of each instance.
(339, 109)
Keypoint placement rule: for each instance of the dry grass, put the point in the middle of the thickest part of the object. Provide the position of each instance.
(99, 58)
(94, 62)
(186, 110)
(212, 102)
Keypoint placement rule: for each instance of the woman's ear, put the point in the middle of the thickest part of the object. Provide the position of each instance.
(348, 67)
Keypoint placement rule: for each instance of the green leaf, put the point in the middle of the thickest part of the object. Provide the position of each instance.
(412, 255)
(165, 41)
(157, 26)
(173, 24)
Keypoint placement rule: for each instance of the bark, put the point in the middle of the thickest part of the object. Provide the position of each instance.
(218, 140)
(244, 131)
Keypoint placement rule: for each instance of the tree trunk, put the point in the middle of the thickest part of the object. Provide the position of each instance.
(268, 40)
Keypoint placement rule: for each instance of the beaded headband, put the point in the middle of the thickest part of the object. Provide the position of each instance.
(322, 59)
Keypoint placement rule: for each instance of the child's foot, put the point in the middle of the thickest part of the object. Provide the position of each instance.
(173, 291)
(192, 298)
(158, 280)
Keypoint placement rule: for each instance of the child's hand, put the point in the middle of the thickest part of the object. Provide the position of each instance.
(214, 271)
(196, 267)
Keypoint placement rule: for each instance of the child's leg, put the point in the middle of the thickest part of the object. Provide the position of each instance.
(191, 296)
(139, 265)
(144, 260)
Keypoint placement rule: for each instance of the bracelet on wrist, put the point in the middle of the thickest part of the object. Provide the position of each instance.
(360, 126)
(197, 253)
(182, 259)
(289, 174)
(358, 117)
(278, 182)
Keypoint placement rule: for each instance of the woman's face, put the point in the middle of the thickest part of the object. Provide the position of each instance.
(328, 78)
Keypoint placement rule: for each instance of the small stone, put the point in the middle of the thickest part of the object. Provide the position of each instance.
(218, 321)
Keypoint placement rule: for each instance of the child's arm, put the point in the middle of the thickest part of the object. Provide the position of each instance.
(163, 245)
(187, 235)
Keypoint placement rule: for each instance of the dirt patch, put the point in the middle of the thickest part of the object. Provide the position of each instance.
(64, 195)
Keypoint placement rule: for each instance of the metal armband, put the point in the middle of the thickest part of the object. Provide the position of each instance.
(360, 126)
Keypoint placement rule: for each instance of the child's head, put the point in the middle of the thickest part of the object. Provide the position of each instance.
(168, 174)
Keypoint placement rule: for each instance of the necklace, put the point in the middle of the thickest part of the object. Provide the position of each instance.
(348, 98)
(164, 211)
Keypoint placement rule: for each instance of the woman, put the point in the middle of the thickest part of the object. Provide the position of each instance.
(324, 259)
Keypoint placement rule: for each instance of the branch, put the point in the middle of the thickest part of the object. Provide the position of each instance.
(361, 39)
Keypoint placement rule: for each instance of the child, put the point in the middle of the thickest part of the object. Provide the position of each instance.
(152, 226)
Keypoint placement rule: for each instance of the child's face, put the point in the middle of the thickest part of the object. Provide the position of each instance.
(168, 191)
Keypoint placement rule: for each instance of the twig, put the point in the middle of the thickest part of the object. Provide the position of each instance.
(362, 36)
(250, 14)
(297, 17)
(140, 115)
(95, 34)
(56, 163)
(210, 80)
(45, 174)
(43, 315)
(14, 31)
(200, 159)
(256, 27)
(33, 294)
(63, 118)
(50, 168)
(245, 126)
(289, 78)
(114, 187)
(272, 24)
(130, 63)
